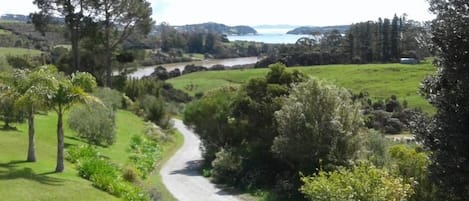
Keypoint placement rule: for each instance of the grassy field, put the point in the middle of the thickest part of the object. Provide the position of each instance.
(36, 181)
(4, 32)
(4, 51)
(379, 80)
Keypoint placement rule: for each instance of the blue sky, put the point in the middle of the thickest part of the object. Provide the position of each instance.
(259, 12)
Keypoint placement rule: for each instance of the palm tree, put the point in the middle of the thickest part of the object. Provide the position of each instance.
(32, 88)
(66, 93)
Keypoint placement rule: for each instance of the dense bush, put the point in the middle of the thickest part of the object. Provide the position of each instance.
(390, 116)
(109, 97)
(376, 148)
(151, 108)
(226, 166)
(412, 165)
(80, 152)
(363, 182)
(95, 124)
(318, 123)
(135, 88)
(157, 134)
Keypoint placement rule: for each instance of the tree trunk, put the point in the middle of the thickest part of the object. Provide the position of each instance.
(107, 47)
(60, 144)
(31, 145)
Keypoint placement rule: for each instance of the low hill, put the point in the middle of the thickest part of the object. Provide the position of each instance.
(308, 30)
(379, 80)
(217, 28)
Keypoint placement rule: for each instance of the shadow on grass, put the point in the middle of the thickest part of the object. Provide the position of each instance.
(11, 171)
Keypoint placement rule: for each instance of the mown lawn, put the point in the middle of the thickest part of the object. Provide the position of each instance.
(36, 181)
(379, 80)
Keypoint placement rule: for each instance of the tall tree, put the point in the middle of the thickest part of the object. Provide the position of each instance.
(119, 19)
(386, 40)
(73, 12)
(447, 135)
(395, 38)
(65, 93)
(32, 89)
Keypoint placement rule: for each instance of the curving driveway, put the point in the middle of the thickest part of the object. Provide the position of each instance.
(181, 173)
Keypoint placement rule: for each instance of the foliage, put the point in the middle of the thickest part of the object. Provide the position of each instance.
(237, 125)
(135, 88)
(226, 166)
(94, 123)
(319, 123)
(110, 97)
(76, 153)
(376, 148)
(64, 93)
(152, 109)
(412, 165)
(103, 173)
(363, 182)
(447, 134)
(213, 109)
(144, 154)
(9, 113)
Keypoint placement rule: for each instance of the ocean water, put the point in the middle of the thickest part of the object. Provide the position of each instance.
(273, 36)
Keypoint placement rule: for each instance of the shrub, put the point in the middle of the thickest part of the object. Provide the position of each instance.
(393, 126)
(76, 153)
(135, 88)
(109, 97)
(376, 148)
(130, 174)
(363, 182)
(104, 174)
(151, 107)
(89, 167)
(95, 124)
(226, 166)
(155, 133)
(144, 154)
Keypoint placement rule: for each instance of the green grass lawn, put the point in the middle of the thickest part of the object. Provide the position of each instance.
(36, 181)
(379, 80)
(4, 32)
(4, 51)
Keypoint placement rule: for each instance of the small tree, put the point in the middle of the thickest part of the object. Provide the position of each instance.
(95, 124)
(319, 124)
(65, 93)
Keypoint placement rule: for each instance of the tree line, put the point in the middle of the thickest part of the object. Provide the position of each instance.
(382, 41)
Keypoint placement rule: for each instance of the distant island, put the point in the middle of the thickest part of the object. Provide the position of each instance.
(217, 28)
(311, 29)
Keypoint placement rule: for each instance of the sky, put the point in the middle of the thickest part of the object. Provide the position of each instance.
(262, 12)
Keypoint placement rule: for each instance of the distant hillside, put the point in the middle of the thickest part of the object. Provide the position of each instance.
(217, 28)
(25, 18)
(309, 30)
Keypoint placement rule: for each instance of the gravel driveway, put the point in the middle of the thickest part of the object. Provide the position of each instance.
(181, 173)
